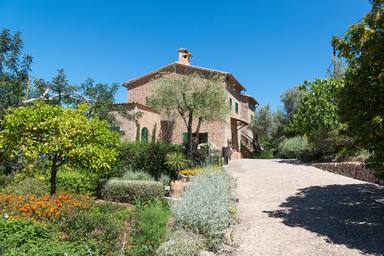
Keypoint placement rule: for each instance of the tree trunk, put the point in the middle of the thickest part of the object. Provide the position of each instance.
(196, 139)
(54, 168)
(189, 141)
(256, 143)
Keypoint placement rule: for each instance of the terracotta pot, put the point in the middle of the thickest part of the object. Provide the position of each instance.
(177, 187)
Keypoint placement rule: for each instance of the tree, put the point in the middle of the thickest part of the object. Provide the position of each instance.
(261, 126)
(318, 109)
(14, 69)
(194, 98)
(291, 100)
(361, 100)
(42, 132)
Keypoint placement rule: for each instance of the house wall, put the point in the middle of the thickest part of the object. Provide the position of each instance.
(149, 119)
(219, 133)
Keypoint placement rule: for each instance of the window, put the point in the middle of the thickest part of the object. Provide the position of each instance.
(203, 137)
(230, 103)
(237, 108)
(144, 134)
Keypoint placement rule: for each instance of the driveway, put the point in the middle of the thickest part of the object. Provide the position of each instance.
(286, 208)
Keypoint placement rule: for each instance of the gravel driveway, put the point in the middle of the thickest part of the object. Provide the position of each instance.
(290, 209)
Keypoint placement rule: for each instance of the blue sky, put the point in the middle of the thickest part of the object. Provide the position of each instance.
(269, 46)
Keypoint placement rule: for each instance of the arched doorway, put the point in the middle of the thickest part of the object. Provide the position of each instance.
(144, 134)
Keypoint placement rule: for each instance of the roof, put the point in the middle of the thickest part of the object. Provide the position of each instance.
(132, 105)
(181, 68)
(250, 99)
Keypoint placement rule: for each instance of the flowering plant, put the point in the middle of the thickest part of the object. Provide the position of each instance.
(41, 208)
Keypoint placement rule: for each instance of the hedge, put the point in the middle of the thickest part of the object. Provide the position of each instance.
(128, 191)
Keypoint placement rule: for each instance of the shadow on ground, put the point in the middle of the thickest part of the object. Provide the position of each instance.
(352, 215)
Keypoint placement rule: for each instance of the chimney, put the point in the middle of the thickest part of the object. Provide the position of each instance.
(184, 56)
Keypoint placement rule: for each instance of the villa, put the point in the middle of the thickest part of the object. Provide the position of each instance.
(152, 125)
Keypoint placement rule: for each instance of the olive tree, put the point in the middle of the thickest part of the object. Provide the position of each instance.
(193, 97)
(42, 132)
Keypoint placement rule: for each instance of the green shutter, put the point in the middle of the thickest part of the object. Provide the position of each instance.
(185, 137)
(236, 107)
(230, 103)
(144, 135)
(207, 139)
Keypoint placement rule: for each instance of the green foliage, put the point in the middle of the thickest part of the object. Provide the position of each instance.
(176, 161)
(265, 154)
(137, 175)
(28, 185)
(78, 182)
(292, 147)
(148, 157)
(165, 180)
(291, 100)
(103, 223)
(361, 99)
(150, 227)
(42, 132)
(318, 108)
(128, 191)
(193, 97)
(205, 206)
(24, 237)
(182, 243)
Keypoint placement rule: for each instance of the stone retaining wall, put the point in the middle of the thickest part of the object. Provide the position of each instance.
(354, 170)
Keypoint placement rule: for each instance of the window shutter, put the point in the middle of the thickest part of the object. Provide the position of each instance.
(185, 137)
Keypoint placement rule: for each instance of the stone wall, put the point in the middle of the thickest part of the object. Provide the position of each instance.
(354, 170)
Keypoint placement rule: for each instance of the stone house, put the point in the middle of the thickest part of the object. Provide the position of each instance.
(152, 125)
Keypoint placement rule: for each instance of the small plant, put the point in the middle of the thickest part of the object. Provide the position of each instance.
(198, 170)
(165, 180)
(150, 227)
(182, 243)
(206, 206)
(128, 191)
(28, 186)
(176, 161)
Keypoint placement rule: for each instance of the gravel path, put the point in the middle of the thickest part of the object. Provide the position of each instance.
(291, 209)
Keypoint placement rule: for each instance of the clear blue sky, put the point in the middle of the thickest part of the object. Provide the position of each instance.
(268, 45)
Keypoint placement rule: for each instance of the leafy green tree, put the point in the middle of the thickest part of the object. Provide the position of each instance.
(14, 69)
(318, 109)
(41, 132)
(194, 98)
(291, 100)
(361, 100)
(261, 126)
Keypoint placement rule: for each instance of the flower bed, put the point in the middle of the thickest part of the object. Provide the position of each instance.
(40, 208)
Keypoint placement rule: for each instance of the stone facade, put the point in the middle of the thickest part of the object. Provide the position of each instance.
(233, 132)
(354, 170)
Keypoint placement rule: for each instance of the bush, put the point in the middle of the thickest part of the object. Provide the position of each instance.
(24, 237)
(206, 206)
(150, 227)
(128, 191)
(102, 223)
(165, 180)
(182, 243)
(265, 154)
(137, 175)
(148, 157)
(5, 180)
(176, 161)
(198, 170)
(28, 186)
(292, 147)
(78, 182)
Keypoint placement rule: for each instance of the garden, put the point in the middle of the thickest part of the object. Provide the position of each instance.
(71, 185)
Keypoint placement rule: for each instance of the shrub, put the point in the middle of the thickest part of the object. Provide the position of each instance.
(128, 191)
(182, 243)
(165, 180)
(148, 157)
(176, 161)
(78, 182)
(292, 147)
(24, 237)
(206, 206)
(265, 154)
(198, 170)
(137, 175)
(5, 180)
(41, 208)
(102, 223)
(28, 186)
(150, 227)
